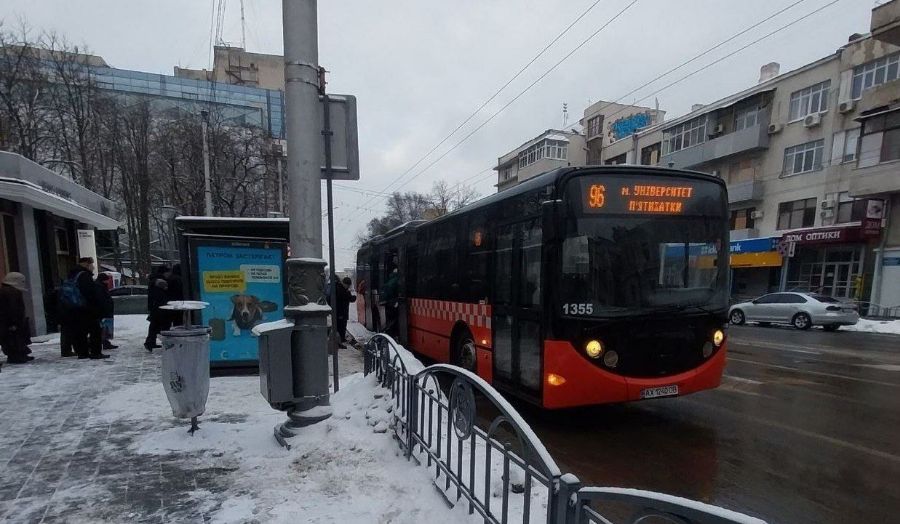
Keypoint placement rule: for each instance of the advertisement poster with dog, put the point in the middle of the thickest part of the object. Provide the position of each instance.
(242, 282)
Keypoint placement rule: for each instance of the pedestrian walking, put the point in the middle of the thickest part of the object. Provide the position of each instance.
(14, 330)
(390, 295)
(157, 296)
(344, 298)
(107, 311)
(175, 292)
(82, 307)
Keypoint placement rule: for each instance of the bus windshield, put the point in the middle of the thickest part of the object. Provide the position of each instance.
(620, 264)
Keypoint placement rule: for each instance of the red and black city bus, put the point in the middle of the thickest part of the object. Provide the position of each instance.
(580, 286)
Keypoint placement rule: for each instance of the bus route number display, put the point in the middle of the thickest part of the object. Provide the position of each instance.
(651, 197)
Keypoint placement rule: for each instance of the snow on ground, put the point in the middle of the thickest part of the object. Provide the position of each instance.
(875, 326)
(72, 429)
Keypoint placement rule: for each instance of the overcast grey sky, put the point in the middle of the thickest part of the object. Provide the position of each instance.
(418, 68)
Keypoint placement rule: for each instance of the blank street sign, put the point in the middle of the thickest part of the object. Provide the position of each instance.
(344, 141)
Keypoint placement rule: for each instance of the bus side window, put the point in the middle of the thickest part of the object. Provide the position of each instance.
(476, 285)
(530, 288)
(504, 269)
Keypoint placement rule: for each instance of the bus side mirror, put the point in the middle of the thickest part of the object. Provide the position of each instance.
(550, 219)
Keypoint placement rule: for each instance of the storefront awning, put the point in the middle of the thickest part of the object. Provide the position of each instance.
(19, 190)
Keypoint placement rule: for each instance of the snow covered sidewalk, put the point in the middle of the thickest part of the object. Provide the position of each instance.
(866, 325)
(94, 441)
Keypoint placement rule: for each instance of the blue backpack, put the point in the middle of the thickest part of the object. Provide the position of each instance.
(70, 296)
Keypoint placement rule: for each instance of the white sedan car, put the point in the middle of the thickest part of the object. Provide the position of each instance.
(801, 310)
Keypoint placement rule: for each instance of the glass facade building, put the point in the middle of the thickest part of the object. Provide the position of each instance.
(241, 105)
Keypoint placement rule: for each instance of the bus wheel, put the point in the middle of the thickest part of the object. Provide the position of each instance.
(465, 355)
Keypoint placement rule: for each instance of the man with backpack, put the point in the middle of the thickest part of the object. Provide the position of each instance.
(81, 306)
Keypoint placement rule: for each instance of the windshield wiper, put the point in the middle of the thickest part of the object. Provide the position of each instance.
(679, 307)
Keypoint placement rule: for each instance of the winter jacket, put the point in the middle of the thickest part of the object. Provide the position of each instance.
(107, 306)
(88, 288)
(390, 292)
(14, 330)
(344, 298)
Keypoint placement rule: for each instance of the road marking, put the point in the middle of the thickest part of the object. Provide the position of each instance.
(804, 351)
(882, 367)
(806, 433)
(820, 373)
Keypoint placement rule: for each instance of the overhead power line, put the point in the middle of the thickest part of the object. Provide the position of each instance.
(707, 51)
(528, 88)
(496, 93)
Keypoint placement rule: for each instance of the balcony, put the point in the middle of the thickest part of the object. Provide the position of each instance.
(743, 234)
(748, 191)
(886, 22)
(875, 180)
(748, 139)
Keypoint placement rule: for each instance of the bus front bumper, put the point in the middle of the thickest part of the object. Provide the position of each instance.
(584, 383)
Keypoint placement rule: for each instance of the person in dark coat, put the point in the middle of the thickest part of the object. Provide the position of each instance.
(390, 294)
(344, 298)
(175, 292)
(14, 330)
(157, 296)
(83, 326)
(107, 310)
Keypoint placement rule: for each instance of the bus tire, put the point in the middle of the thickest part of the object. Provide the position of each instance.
(464, 353)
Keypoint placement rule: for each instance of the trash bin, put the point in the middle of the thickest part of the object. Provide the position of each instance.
(185, 369)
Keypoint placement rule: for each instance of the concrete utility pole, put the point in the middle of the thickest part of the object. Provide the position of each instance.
(307, 304)
(207, 185)
(304, 137)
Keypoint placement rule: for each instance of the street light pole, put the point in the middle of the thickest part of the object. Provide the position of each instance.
(307, 304)
(207, 185)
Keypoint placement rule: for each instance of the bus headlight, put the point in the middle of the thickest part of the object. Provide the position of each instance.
(718, 337)
(593, 348)
(611, 359)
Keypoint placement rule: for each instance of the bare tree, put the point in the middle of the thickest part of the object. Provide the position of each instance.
(446, 197)
(23, 93)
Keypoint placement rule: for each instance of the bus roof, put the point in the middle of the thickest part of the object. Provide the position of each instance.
(548, 178)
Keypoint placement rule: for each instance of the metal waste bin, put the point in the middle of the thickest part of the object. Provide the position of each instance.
(185, 370)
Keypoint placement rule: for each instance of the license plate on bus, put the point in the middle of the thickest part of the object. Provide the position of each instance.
(662, 391)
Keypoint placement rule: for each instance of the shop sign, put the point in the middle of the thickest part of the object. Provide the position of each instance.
(891, 261)
(753, 245)
(829, 235)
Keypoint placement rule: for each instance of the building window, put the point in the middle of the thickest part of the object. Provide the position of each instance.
(803, 158)
(849, 209)
(888, 125)
(812, 100)
(650, 155)
(685, 135)
(742, 218)
(616, 160)
(851, 142)
(594, 125)
(799, 213)
(62, 241)
(745, 118)
(875, 73)
(552, 149)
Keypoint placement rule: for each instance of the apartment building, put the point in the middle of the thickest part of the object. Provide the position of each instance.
(609, 123)
(551, 149)
(810, 158)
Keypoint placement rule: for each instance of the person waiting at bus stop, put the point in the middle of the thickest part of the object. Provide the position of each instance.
(390, 296)
(344, 298)
(14, 329)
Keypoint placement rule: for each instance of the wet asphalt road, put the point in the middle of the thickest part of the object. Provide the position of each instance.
(804, 429)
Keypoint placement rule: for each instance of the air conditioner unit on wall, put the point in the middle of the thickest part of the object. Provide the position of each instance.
(716, 130)
(828, 204)
(812, 120)
(756, 215)
(846, 107)
(775, 128)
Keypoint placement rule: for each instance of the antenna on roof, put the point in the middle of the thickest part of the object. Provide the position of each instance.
(565, 114)
(243, 28)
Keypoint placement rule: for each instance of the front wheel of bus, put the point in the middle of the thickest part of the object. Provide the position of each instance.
(465, 354)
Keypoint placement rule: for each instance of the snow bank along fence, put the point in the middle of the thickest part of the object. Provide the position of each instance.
(504, 472)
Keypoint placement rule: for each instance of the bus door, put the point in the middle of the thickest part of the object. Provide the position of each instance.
(516, 322)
